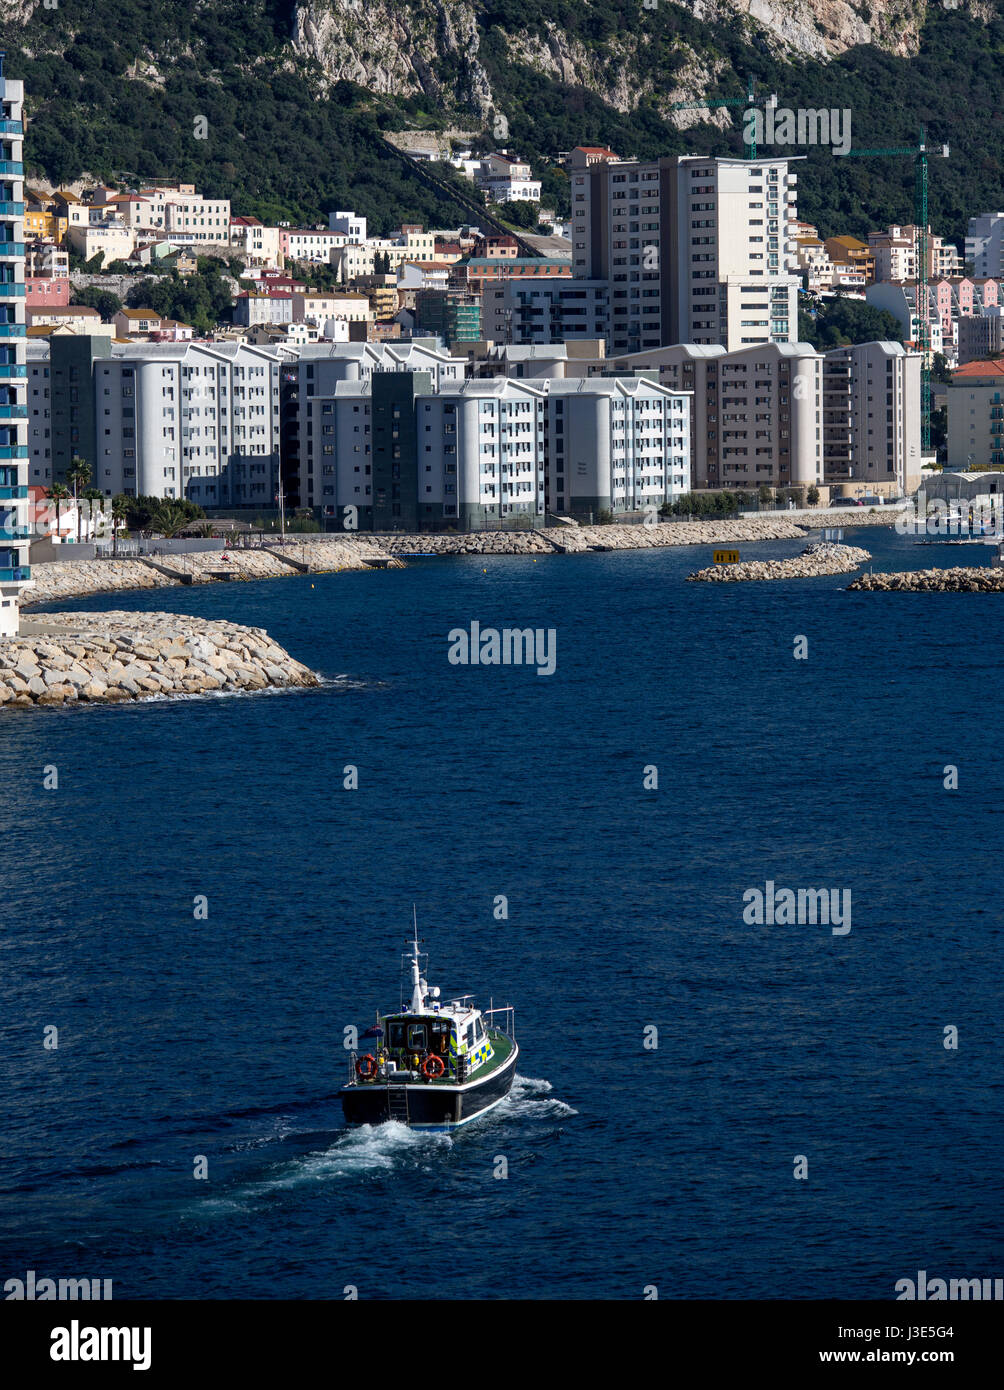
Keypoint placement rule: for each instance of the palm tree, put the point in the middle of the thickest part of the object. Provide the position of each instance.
(57, 493)
(91, 495)
(120, 511)
(78, 475)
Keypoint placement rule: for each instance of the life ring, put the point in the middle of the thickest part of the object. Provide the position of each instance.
(432, 1067)
(366, 1067)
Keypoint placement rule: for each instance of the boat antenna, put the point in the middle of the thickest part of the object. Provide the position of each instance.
(418, 985)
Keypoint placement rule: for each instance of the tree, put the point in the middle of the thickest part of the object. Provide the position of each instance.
(78, 475)
(120, 511)
(812, 496)
(521, 212)
(840, 322)
(91, 495)
(106, 303)
(58, 493)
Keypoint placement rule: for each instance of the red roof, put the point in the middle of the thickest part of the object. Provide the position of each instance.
(980, 369)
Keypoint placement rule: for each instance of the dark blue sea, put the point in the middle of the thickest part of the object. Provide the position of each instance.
(628, 1166)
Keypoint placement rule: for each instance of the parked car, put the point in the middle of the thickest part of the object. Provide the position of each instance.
(847, 502)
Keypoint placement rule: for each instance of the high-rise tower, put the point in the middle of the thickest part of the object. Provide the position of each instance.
(14, 571)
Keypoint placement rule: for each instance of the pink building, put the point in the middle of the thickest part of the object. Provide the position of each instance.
(45, 291)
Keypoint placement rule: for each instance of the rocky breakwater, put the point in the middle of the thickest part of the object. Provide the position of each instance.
(954, 581)
(816, 559)
(101, 658)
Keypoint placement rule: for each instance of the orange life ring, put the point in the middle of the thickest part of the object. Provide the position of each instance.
(366, 1067)
(432, 1067)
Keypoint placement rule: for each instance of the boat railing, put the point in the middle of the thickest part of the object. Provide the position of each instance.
(507, 1013)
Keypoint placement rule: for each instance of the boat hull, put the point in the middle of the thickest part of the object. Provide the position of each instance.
(433, 1106)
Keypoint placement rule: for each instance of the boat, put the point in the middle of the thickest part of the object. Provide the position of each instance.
(436, 1066)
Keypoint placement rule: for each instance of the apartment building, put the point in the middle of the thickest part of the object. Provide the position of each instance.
(490, 452)
(532, 310)
(619, 445)
(694, 249)
(985, 244)
(408, 458)
(158, 419)
(976, 417)
(897, 254)
(981, 337)
(504, 178)
(853, 262)
(784, 415)
(15, 573)
(252, 240)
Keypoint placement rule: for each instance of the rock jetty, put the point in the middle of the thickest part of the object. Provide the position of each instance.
(954, 581)
(819, 558)
(69, 579)
(101, 658)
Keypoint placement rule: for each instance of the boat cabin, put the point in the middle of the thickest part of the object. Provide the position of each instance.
(458, 1037)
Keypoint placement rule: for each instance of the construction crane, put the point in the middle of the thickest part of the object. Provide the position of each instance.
(919, 154)
(747, 100)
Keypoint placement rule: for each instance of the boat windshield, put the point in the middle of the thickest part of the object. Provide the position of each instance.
(414, 1035)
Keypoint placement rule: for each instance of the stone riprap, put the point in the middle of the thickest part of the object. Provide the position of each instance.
(57, 582)
(821, 557)
(576, 539)
(101, 658)
(75, 578)
(954, 581)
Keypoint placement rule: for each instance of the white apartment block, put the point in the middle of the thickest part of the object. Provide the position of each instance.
(900, 300)
(897, 254)
(504, 178)
(985, 244)
(618, 445)
(167, 420)
(44, 259)
(694, 249)
(348, 224)
(15, 573)
(256, 243)
(785, 415)
(485, 453)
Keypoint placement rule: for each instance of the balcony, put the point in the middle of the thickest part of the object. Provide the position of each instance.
(13, 167)
(13, 494)
(9, 370)
(11, 209)
(18, 575)
(15, 533)
(12, 248)
(13, 451)
(13, 412)
(12, 330)
(11, 290)
(11, 127)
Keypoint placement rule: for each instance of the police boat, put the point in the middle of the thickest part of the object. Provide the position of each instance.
(435, 1066)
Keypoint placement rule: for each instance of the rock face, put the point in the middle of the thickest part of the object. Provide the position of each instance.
(69, 658)
(434, 49)
(954, 581)
(819, 558)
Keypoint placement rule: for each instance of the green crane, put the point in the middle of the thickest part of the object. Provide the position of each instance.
(919, 154)
(747, 100)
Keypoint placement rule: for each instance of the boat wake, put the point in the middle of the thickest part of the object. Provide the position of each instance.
(531, 1099)
(371, 1151)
